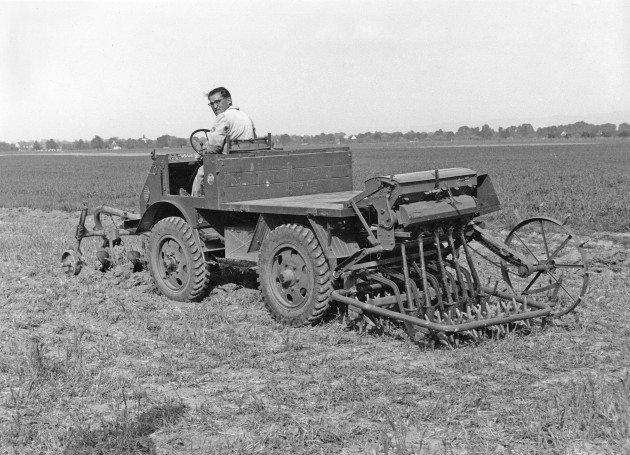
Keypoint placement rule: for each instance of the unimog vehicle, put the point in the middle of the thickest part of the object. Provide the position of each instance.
(406, 247)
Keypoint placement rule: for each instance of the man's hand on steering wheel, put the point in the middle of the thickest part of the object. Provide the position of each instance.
(202, 147)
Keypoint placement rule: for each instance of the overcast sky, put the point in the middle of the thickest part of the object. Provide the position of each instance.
(72, 70)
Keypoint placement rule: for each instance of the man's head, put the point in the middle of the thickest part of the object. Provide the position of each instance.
(219, 100)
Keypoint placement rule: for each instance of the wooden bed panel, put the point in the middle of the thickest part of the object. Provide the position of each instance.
(285, 174)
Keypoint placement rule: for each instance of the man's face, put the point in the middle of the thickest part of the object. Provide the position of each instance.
(218, 103)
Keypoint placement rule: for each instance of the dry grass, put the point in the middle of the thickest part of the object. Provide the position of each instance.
(100, 363)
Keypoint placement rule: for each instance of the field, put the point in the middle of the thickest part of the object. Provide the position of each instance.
(588, 181)
(101, 363)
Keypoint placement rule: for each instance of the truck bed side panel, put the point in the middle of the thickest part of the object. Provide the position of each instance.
(281, 174)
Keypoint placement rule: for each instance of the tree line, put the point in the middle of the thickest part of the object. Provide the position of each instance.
(97, 142)
(465, 133)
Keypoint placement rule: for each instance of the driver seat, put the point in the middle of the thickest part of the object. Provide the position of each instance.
(247, 145)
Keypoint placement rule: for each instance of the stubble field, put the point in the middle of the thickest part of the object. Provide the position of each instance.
(101, 363)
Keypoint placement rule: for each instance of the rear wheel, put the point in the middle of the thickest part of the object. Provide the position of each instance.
(176, 262)
(294, 275)
(545, 241)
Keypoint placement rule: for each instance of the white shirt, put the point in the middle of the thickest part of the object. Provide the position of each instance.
(234, 123)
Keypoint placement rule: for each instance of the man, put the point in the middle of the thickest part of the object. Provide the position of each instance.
(230, 122)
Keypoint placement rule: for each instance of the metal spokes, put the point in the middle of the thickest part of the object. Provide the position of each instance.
(545, 241)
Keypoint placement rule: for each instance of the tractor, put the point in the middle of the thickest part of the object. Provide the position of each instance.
(407, 247)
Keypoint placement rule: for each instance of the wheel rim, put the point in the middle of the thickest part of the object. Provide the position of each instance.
(290, 277)
(546, 241)
(173, 265)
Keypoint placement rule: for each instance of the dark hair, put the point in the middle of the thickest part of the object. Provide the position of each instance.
(222, 90)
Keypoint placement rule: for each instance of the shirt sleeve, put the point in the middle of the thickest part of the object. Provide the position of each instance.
(218, 133)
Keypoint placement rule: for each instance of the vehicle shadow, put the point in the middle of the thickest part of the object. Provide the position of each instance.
(124, 435)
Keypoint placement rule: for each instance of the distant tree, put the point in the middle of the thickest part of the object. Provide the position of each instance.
(51, 144)
(525, 130)
(410, 135)
(505, 133)
(284, 139)
(608, 129)
(37, 146)
(162, 141)
(465, 132)
(365, 137)
(549, 132)
(595, 131)
(6, 147)
(623, 130)
(80, 144)
(179, 142)
(462, 132)
(97, 143)
(486, 132)
(132, 143)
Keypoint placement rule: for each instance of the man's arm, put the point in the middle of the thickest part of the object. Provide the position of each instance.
(218, 134)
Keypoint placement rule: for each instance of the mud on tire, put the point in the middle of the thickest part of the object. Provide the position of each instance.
(294, 275)
(176, 262)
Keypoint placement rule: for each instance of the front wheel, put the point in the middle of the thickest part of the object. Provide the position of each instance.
(176, 262)
(294, 275)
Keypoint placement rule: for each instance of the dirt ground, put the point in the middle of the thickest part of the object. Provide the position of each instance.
(101, 363)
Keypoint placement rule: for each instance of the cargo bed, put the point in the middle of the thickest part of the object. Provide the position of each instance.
(323, 204)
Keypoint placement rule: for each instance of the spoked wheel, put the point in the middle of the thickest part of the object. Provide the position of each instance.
(545, 241)
(176, 262)
(294, 275)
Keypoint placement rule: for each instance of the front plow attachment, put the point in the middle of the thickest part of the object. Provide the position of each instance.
(122, 223)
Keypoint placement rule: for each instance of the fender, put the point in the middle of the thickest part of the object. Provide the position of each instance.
(160, 210)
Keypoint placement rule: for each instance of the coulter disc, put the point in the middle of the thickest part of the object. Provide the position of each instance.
(70, 262)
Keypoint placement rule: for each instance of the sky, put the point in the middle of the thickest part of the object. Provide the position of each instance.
(73, 70)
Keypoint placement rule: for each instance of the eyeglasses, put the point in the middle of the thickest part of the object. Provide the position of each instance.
(215, 102)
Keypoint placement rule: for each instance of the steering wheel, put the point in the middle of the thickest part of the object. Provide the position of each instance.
(198, 144)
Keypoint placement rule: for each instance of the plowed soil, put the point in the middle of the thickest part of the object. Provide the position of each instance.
(102, 363)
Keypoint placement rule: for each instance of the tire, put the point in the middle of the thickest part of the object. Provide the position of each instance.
(294, 275)
(176, 261)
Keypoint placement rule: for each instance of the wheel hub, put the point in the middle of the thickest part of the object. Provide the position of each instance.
(173, 264)
(287, 277)
(170, 263)
(291, 277)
